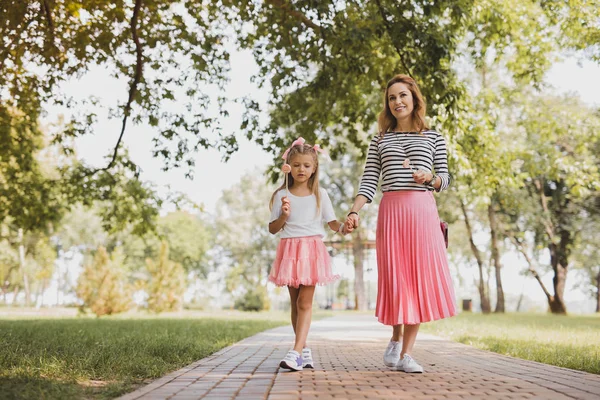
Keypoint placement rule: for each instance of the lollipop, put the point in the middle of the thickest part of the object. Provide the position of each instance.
(286, 169)
(406, 164)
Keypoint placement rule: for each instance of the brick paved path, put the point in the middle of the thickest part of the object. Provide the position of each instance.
(348, 352)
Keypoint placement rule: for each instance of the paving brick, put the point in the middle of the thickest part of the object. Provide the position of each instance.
(348, 351)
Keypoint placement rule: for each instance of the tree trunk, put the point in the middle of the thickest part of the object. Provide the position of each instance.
(558, 261)
(22, 267)
(358, 251)
(598, 292)
(496, 258)
(484, 298)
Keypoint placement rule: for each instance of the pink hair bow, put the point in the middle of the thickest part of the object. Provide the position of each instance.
(296, 142)
(318, 149)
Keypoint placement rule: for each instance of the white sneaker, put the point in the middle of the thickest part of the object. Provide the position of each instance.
(307, 360)
(292, 360)
(408, 364)
(391, 357)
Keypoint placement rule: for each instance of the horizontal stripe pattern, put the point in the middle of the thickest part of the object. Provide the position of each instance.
(426, 151)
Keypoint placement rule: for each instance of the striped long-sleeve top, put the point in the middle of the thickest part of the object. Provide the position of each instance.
(426, 151)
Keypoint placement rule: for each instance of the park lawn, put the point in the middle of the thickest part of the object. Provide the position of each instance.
(98, 358)
(565, 341)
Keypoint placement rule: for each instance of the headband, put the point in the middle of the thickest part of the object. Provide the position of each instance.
(299, 142)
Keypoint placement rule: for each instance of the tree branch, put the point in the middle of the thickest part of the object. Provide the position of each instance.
(134, 83)
(286, 7)
(474, 248)
(546, 212)
(13, 47)
(388, 30)
(49, 21)
(530, 263)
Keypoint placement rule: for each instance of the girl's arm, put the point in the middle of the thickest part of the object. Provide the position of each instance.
(337, 226)
(276, 225)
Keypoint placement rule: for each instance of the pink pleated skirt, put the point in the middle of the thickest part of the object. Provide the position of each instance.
(414, 282)
(302, 261)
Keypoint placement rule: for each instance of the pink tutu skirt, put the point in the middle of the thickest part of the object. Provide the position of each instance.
(414, 282)
(302, 261)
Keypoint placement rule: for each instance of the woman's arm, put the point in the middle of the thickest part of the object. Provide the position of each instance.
(372, 172)
(440, 164)
(353, 219)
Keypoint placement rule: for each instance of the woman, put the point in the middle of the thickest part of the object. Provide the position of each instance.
(410, 160)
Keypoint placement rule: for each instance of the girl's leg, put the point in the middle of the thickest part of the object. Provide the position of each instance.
(304, 307)
(397, 333)
(410, 336)
(294, 308)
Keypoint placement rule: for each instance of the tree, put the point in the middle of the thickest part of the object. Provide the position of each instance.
(242, 240)
(343, 291)
(326, 61)
(170, 54)
(186, 234)
(38, 186)
(9, 267)
(188, 239)
(167, 282)
(561, 135)
(29, 202)
(342, 177)
(103, 286)
(587, 257)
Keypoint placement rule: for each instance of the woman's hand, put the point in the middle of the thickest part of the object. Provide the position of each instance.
(422, 176)
(352, 222)
(285, 206)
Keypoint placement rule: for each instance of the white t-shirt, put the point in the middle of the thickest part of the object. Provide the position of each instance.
(304, 220)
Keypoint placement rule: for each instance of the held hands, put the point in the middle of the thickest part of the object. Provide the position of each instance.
(421, 176)
(351, 222)
(285, 206)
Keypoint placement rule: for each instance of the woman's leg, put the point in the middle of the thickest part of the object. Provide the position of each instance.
(391, 356)
(304, 306)
(397, 333)
(410, 336)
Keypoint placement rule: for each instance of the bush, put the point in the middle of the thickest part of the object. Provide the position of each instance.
(255, 299)
(103, 286)
(167, 283)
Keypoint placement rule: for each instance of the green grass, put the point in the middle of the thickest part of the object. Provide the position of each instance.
(74, 358)
(565, 341)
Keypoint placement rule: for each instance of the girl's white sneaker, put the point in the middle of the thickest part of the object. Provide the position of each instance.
(292, 360)
(307, 360)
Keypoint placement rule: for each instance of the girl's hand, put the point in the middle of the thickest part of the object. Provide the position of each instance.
(285, 206)
(422, 176)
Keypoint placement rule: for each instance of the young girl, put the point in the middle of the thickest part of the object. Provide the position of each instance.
(302, 261)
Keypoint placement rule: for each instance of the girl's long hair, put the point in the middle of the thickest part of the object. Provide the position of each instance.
(387, 121)
(313, 181)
